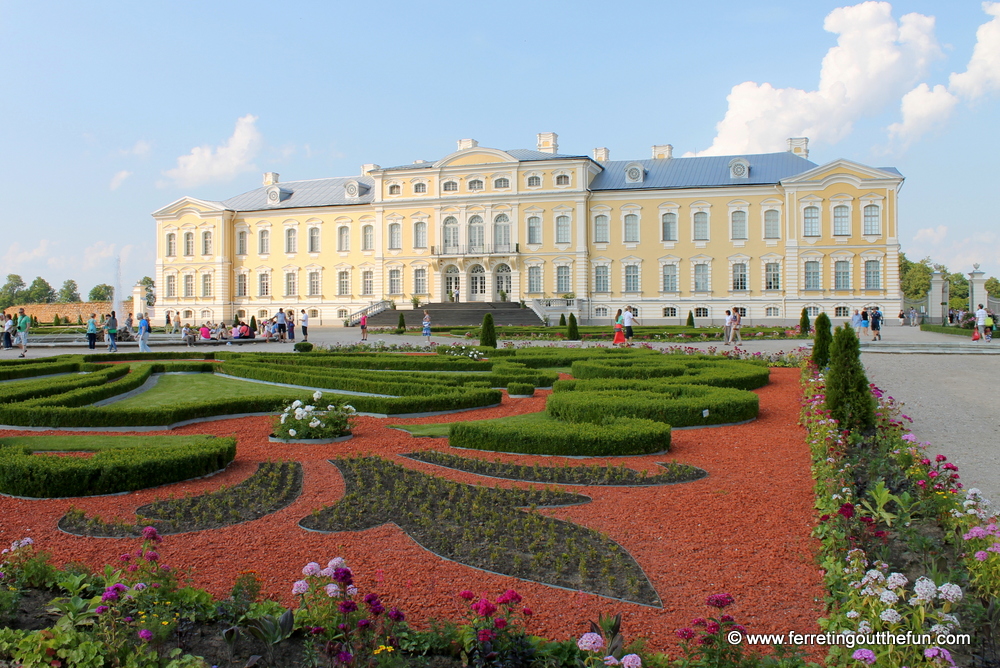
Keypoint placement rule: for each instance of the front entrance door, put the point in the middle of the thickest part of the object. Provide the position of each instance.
(501, 283)
(477, 283)
(451, 284)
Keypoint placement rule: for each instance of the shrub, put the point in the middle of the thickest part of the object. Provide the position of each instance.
(401, 324)
(804, 324)
(520, 389)
(55, 319)
(572, 331)
(253, 323)
(619, 436)
(562, 319)
(488, 336)
(822, 340)
(678, 406)
(847, 394)
(680, 371)
(690, 320)
(303, 347)
(304, 421)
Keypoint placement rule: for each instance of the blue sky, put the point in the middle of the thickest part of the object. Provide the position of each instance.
(113, 109)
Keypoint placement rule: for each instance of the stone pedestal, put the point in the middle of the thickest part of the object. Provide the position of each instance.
(139, 300)
(977, 288)
(937, 299)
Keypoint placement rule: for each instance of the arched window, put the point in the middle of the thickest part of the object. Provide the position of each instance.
(701, 312)
(601, 311)
(772, 224)
(669, 311)
(602, 279)
(420, 235)
(534, 181)
(669, 226)
(562, 230)
(450, 232)
(534, 230)
(502, 182)
(291, 240)
(264, 243)
(841, 221)
(501, 233)
(171, 245)
(314, 239)
(241, 242)
(632, 278)
(562, 280)
(810, 221)
(343, 238)
(739, 224)
(419, 188)
(189, 243)
(477, 282)
(395, 190)
(701, 226)
(475, 184)
(450, 187)
(670, 278)
(631, 228)
(872, 220)
(395, 281)
(534, 279)
(601, 231)
(368, 238)
(206, 243)
(842, 312)
(772, 312)
(562, 180)
(476, 234)
(395, 236)
(739, 276)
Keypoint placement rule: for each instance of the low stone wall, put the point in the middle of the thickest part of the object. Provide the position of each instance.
(73, 311)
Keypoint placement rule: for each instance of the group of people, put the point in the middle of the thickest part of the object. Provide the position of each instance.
(15, 331)
(869, 323)
(280, 328)
(731, 330)
(984, 325)
(624, 319)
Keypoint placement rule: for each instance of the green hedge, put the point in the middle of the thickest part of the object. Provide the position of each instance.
(941, 329)
(367, 361)
(616, 437)
(14, 369)
(521, 389)
(54, 386)
(681, 406)
(112, 470)
(130, 356)
(690, 371)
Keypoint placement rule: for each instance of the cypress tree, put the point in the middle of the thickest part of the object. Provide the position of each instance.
(822, 340)
(847, 395)
(562, 319)
(488, 333)
(401, 325)
(55, 319)
(572, 331)
(804, 322)
(79, 319)
(253, 323)
(690, 321)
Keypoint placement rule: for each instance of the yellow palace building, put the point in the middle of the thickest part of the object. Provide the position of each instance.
(769, 234)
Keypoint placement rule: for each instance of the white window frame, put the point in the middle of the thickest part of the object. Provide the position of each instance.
(707, 287)
(864, 219)
(631, 269)
(171, 289)
(673, 274)
(877, 275)
(368, 282)
(313, 234)
(564, 228)
(206, 284)
(529, 177)
(837, 275)
(343, 282)
(264, 284)
(807, 231)
(395, 280)
(343, 238)
(695, 213)
(602, 223)
(777, 213)
(314, 279)
(291, 283)
(171, 243)
(264, 242)
(835, 204)
(564, 279)
(189, 244)
(395, 236)
(242, 284)
(446, 189)
(188, 286)
(606, 288)
(420, 234)
(291, 239)
(206, 242)
(420, 281)
(817, 284)
(368, 237)
(733, 214)
(534, 224)
(535, 279)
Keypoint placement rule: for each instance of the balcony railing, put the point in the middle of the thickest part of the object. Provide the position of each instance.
(476, 249)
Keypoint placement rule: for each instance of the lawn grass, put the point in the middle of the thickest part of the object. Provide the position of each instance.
(189, 388)
(71, 443)
(442, 429)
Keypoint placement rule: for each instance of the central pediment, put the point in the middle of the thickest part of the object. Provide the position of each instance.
(475, 156)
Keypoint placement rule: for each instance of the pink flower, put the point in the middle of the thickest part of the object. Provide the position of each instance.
(724, 600)
(300, 587)
(483, 607)
(982, 555)
(485, 635)
(146, 634)
(312, 568)
(632, 661)
(610, 661)
(500, 623)
(685, 633)
(528, 612)
(466, 594)
(865, 655)
(590, 642)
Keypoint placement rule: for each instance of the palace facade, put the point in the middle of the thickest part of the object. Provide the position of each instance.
(769, 234)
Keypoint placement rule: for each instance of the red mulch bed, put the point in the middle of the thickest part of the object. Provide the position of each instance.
(744, 529)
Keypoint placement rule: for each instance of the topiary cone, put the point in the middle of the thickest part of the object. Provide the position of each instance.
(488, 333)
(572, 331)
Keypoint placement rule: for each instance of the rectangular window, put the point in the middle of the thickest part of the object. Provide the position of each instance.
(842, 275)
(241, 242)
(343, 282)
(812, 275)
(772, 312)
(171, 245)
(602, 282)
(368, 238)
(264, 285)
(206, 285)
(206, 243)
(772, 224)
(701, 226)
(562, 230)
(701, 312)
(873, 275)
(395, 281)
(264, 243)
(314, 290)
(872, 220)
(669, 311)
(291, 287)
(562, 280)
(420, 235)
(739, 225)
(395, 237)
(772, 276)
(701, 278)
(632, 278)
(841, 221)
(241, 285)
(368, 282)
(534, 279)
(189, 285)
(810, 221)
(535, 230)
(631, 228)
(739, 276)
(601, 232)
(314, 239)
(842, 312)
(171, 286)
(189, 243)
(670, 278)
(669, 227)
(420, 282)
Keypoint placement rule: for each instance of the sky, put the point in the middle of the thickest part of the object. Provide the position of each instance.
(112, 110)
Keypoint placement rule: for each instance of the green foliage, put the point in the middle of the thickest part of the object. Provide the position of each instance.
(303, 347)
(150, 290)
(29, 368)
(617, 436)
(673, 370)
(488, 335)
(804, 324)
(690, 319)
(992, 286)
(915, 279)
(102, 292)
(823, 339)
(678, 406)
(253, 323)
(12, 291)
(50, 387)
(55, 320)
(572, 331)
(958, 295)
(847, 394)
(40, 292)
(520, 389)
(401, 324)
(562, 319)
(69, 292)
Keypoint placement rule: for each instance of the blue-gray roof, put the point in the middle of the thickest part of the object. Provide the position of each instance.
(701, 172)
(318, 192)
(520, 154)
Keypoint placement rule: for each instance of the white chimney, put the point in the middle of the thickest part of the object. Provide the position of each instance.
(419, 162)
(602, 155)
(663, 151)
(467, 143)
(799, 146)
(368, 167)
(548, 142)
(270, 178)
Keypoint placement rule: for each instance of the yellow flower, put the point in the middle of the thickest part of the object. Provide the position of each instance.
(165, 623)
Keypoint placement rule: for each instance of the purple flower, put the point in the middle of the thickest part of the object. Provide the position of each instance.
(865, 655)
(312, 568)
(101, 609)
(146, 635)
(139, 586)
(610, 661)
(332, 590)
(590, 642)
(345, 657)
(939, 653)
(150, 533)
(348, 607)
(109, 595)
(982, 555)
(720, 600)
(396, 615)
(685, 633)
(376, 609)
(371, 598)
(364, 623)
(300, 587)
(152, 556)
(632, 661)
(343, 576)
(125, 557)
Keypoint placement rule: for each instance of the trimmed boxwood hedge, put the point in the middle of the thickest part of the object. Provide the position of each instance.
(14, 369)
(366, 361)
(617, 436)
(720, 373)
(112, 470)
(680, 406)
(520, 389)
(136, 356)
(54, 386)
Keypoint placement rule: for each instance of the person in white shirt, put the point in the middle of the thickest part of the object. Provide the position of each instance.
(856, 321)
(282, 323)
(981, 322)
(627, 320)
(304, 324)
(727, 330)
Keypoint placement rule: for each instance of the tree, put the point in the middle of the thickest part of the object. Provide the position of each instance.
(488, 333)
(958, 295)
(69, 292)
(822, 340)
(690, 320)
(40, 292)
(253, 323)
(562, 319)
(101, 292)
(150, 290)
(804, 324)
(401, 325)
(572, 331)
(916, 282)
(847, 394)
(993, 286)
(12, 291)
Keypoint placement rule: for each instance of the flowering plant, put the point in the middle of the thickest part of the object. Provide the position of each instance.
(302, 420)
(496, 634)
(708, 640)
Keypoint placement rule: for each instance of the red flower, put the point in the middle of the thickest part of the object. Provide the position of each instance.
(466, 594)
(847, 510)
(485, 635)
(500, 622)
(941, 458)
(527, 612)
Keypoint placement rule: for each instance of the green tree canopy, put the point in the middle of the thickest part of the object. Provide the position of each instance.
(915, 277)
(959, 290)
(40, 292)
(150, 290)
(12, 291)
(69, 292)
(993, 286)
(101, 293)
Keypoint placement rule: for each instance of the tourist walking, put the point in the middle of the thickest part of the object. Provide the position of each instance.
(304, 324)
(727, 329)
(981, 316)
(736, 338)
(111, 327)
(427, 326)
(988, 331)
(864, 322)
(8, 330)
(856, 322)
(913, 317)
(619, 330)
(364, 327)
(628, 319)
(23, 325)
(902, 318)
(876, 317)
(144, 334)
(92, 331)
(279, 319)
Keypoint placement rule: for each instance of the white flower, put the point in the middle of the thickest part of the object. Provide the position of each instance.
(314, 423)
(292, 432)
(888, 597)
(310, 409)
(352, 590)
(853, 614)
(864, 628)
(349, 408)
(896, 580)
(296, 403)
(950, 592)
(317, 395)
(890, 615)
(940, 629)
(330, 407)
(923, 590)
(283, 416)
(300, 414)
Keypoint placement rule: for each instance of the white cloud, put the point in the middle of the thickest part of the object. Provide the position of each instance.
(141, 149)
(923, 108)
(119, 178)
(17, 256)
(934, 235)
(876, 61)
(206, 164)
(982, 74)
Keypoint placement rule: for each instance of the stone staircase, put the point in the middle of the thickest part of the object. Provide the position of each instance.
(959, 347)
(460, 314)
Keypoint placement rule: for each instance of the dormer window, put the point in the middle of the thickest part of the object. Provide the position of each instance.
(475, 184)
(562, 180)
(450, 187)
(353, 189)
(276, 195)
(395, 190)
(739, 168)
(419, 188)
(634, 173)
